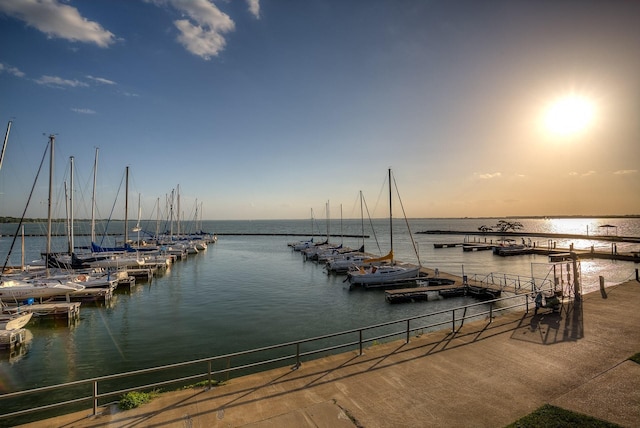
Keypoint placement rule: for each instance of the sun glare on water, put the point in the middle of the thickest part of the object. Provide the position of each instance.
(569, 115)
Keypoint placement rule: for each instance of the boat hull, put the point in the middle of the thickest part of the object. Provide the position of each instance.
(14, 321)
(383, 275)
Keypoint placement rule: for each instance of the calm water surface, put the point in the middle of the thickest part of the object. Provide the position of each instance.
(250, 291)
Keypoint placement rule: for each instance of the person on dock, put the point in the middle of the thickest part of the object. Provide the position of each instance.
(538, 301)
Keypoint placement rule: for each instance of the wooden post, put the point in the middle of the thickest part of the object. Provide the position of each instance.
(602, 290)
(576, 282)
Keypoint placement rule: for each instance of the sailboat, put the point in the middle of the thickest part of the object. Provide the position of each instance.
(384, 274)
(18, 289)
(301, 245)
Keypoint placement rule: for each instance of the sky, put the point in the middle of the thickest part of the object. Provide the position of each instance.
(267, 109)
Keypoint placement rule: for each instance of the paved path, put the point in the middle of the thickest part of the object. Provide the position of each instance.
(484, 375)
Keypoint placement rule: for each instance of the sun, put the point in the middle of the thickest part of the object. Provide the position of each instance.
(569, 115)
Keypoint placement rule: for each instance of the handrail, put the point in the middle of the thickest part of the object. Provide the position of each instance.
(519, 283)
(495, 305)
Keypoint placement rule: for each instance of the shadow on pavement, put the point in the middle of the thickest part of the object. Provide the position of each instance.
(550, 327)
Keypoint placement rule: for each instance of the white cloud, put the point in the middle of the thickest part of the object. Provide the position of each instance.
(60, 82)
(202, 32)
(489, 176)
(57, 20)
(626, 171)
(588, 173)
(83, 110)
(254, 7)
(11, 70)
(101, 80)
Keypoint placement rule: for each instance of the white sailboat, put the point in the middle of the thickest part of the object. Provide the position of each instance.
(17, 289)
(384, 274)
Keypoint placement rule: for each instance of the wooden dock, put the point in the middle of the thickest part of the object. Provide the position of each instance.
(448, 244)
(437, 292)
(555, 254)
(477, 247)
(145, 274)
(56, 310)
(12, 338)
(435, 285)
(91, 294)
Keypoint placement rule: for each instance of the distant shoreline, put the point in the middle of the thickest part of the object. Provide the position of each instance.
(10, 220)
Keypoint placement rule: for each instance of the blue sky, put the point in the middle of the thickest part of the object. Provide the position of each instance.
(264, 109)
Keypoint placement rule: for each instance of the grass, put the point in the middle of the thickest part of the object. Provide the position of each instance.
(204, 384)
(549, 416)
(134, 399)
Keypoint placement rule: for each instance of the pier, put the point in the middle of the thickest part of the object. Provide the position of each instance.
(610, 238)
(550, 249)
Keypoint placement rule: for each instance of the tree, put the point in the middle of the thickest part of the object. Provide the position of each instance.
(504, 226)
(485, 229)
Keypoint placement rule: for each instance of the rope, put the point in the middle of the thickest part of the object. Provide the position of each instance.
(15, 235)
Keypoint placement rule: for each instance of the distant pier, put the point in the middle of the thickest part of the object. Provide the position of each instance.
(610, 238)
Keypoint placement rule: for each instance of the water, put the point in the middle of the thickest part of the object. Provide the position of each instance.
(251, 291)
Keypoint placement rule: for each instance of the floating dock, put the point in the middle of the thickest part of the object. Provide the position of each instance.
(12, 338)
(145, 274)
(448, 244)
(477, 247)
(431, 292)
(91, 294)
(57, 310)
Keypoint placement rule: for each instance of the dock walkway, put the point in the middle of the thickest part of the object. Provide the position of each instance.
(520, 361)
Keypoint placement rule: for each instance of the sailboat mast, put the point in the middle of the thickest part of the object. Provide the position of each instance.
(71, 230)
(126, 207)
(52, 140)
(178, 211)
(328, 221)
(362, 218)
(171, 214)
(390, 217)
(4, 145)
(158, 221)
(93, 198)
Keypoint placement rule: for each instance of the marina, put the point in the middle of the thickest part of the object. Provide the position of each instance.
(230, 297)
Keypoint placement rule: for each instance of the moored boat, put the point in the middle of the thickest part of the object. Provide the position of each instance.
(14, 320)
(386, 274)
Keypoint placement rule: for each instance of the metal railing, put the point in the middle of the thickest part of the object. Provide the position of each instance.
(519, 283)
(95, 389)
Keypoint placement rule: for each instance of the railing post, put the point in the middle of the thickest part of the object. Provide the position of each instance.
(209, 364)
(95, 397)
(453, 318)
(408, 330)
(360, 341)
(297, 366)
(491, 311)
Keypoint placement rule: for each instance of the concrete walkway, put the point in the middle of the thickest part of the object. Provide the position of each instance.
(484, 375)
